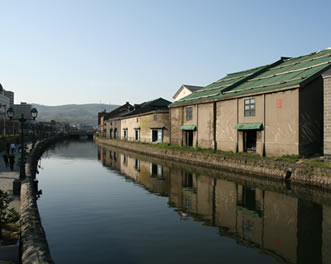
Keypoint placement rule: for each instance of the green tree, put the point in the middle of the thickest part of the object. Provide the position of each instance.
(7, 215)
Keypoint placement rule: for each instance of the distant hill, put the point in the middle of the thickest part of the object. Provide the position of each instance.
(86, 114)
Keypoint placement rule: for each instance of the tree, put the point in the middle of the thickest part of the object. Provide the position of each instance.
(7, 215)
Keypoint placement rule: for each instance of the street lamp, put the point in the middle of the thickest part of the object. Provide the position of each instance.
(22, 119)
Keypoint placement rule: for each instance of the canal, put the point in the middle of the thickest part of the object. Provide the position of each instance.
(105, 205)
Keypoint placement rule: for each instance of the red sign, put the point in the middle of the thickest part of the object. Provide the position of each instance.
(279, 103)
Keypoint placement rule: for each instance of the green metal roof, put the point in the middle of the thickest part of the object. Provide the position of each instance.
(188, 127)
(285, 73)
(248, 126)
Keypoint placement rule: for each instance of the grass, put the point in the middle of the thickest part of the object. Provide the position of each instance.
(2, 137)
(318, 163)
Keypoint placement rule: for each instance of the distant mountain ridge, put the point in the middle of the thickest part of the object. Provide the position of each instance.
(86, 114)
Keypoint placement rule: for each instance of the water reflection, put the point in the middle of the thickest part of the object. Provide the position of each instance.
(74, 149)
(292, 228)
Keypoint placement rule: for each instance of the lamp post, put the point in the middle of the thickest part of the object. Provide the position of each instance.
(22, 119)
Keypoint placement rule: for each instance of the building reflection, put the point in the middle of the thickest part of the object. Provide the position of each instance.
(153, 176)
(290, 229)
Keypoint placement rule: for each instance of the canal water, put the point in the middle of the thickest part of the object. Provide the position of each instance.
(105, 205)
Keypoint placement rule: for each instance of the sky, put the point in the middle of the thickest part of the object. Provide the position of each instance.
(56, 52)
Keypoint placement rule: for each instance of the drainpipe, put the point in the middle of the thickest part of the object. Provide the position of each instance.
(182, 138)
(237, 147)
(170, 126)
(263, 145)
(197, 138)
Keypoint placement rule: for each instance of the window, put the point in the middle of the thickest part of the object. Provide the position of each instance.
(137, 134)
(125, 160)
(250, 107)
(154, 135)
(115, 133)
(125, 133)
(111, 133)
(188, 180)
(156, 170)
(189, 114)
(189, 138)
(137, 164)
(137, 119)
(155, 117)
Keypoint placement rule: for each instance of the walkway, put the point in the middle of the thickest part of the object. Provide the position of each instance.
(10, 253)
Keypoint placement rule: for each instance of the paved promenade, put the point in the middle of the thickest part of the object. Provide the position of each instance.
(9, 253)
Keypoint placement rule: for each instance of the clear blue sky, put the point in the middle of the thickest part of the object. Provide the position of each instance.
(91, 51)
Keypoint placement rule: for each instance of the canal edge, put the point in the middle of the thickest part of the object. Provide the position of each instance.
(33, 243)
(279, 170)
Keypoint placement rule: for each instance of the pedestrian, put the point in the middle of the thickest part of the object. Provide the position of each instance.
(11, 161)
(5, 159)
(12, 148)
(8, 147)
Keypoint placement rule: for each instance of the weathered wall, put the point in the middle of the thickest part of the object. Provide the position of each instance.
(281, 213)
(226, 120)
(205, 196)
(176, 120)
(112, 124)
(175, 193)
(282, 123)
(311, 118)
(327, 114)
(107, 126)
(205, 125)
(278, 112)
(226, 202)
(130, 124)
(145, 123)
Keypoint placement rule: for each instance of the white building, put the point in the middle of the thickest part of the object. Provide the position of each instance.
(185, 90)
(22, 109)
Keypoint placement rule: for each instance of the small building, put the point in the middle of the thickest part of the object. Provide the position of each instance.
(273, 110)
(147, 122)
(185, 90)
(104, 115)
(6, 99)
(112, 127)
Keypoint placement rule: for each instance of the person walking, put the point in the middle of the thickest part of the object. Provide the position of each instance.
(11, 161)
(12, 148)
(8, 147)
(5, 159)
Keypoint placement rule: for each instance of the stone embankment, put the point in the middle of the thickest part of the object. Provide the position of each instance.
(296, 173)
(34, 246)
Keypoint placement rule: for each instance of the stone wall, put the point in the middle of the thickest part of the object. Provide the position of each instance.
(34, 246)
(297, 173)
